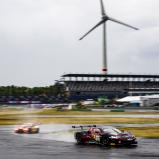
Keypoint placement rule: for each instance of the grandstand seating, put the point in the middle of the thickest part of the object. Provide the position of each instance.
(114, 87)
(107, 86)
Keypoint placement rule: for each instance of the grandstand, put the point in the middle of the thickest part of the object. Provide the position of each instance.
(85, 86)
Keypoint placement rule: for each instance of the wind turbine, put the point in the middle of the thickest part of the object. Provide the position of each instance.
(105, 18)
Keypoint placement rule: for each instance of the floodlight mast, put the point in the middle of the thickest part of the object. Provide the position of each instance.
(105, 18)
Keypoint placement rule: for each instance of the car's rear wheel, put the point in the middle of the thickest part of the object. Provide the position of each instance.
(78, 137)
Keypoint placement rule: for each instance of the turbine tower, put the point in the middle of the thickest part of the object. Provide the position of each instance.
(105, 18)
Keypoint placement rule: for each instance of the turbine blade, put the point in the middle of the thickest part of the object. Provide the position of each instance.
(117, 21)
(102, 21)
(102, 8)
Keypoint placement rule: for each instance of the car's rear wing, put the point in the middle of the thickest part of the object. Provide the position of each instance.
(84, 126)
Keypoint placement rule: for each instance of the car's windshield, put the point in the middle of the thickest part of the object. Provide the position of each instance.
(112, 131)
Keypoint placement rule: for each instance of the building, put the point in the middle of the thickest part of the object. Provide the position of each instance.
(146, 101)
(91, 86)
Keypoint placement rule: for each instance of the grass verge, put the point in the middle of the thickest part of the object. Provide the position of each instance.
(70, 112)
(5, 111)
(146, 132)
(14, 119)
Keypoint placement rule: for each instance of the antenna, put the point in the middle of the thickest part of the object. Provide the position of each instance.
(105, 18)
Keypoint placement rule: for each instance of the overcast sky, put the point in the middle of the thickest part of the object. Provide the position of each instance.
(39, 39)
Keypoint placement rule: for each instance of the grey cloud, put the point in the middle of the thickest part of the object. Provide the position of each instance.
(39, 39)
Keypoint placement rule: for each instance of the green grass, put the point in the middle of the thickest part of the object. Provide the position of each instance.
(13, 116)
(146, 132)
(4, 111)
(14, 119)
(70, 112)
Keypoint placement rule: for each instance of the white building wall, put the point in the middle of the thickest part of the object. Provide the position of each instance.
(149, 101)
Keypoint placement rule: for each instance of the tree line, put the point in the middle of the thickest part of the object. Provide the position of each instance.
(36, 93)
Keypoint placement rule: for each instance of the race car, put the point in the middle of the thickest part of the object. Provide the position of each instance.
(28, 128)
(91, 134)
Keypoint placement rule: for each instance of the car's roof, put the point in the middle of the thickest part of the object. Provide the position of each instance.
(112, 130)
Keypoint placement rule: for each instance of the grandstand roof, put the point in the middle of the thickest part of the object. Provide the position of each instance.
(112, 75)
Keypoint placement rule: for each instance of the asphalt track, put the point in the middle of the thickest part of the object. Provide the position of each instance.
(57, 142)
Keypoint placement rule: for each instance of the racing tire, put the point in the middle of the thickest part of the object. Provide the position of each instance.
(37, 131)
(29, 131)
(78, 137)
(105, 141)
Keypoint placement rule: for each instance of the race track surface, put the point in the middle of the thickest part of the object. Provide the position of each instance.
(57, 142)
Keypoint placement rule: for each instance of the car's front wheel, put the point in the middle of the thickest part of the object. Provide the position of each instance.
(105, 140)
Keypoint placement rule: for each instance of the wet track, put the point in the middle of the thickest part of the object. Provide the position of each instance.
(57, 142)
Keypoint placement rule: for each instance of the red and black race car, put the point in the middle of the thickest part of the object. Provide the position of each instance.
(106, 136)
